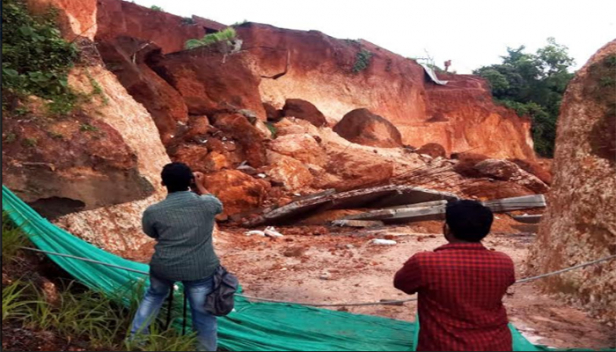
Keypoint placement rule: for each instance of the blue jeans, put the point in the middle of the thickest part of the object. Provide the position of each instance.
(204, 323)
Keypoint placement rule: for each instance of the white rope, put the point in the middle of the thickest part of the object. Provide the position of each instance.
(87, 260)
(386, 303)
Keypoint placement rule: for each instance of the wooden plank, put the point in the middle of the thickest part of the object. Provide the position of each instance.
(372, 215)
(327, 192)
(399, 213)
(389, 195)
(420, 214)
(420, 205)
(528, 219)
(516, 203)
(357, 223)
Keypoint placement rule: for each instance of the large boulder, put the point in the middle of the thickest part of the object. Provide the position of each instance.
(501, 170)
(535, 168)
(483, 189)
(347, 171)
(434, 150)
(580, 223)
(211, 81)
(292, 173)
(249, 137)
(237, 191)
(61, 167)
(304, 110)
(363, 127)
(272, 113)
(302, 147)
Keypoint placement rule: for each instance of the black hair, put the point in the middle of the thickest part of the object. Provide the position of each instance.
(469, 220)
(177, 177)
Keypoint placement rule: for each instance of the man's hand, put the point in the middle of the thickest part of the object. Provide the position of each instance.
(199, 177)
(200, 182)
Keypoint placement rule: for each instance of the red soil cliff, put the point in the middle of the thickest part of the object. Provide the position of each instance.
(320, 69)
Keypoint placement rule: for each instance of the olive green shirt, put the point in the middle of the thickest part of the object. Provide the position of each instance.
(182, 226)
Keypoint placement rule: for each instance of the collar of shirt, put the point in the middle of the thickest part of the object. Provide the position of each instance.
(466, 246)
(180, 194)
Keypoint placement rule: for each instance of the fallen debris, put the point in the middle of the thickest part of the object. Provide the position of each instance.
(382, 242)
(357, 223)
(255, 232)
(271, 232)
(435, 210)
(528, 219)
(374, 197)
(516, 203)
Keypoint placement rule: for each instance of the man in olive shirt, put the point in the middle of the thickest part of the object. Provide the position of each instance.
(182, 226)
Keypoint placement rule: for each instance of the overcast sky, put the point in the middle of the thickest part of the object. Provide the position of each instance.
(471, 33)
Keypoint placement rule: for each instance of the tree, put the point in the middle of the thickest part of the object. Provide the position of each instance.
(533, 85)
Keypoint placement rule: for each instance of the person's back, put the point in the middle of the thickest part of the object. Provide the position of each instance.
(183, 224)
(460, 287)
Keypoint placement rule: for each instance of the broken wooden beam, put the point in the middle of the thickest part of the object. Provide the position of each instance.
(425, 204)
(387, 196)
(372, 215)
(358, 223)
(528, 219)
(516, 203)
(327, 192)
(415, 212)
(420, 214)
(435, 210)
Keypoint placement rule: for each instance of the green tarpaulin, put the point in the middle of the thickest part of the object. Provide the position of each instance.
(253, 326)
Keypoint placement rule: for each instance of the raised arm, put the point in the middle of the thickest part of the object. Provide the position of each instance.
(200, 183)
(408, 279)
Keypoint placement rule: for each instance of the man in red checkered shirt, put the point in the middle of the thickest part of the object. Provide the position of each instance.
(461, 286)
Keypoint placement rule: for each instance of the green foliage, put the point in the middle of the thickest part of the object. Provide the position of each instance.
(362, 60)
(12, 240)
(10, 137)
(64, 104)
(86, 127)
(237, 24)
(273, 130)
(97, 89)
(533, 85)
(35, 58)
(79, 315)
(55, 135)
(607, 81)
(156, 8)
(85, 316)
(227, 35)
(435, 68)
(30, 142)
(13, 303)
(187, 21)
(352, 41)
(20, 111)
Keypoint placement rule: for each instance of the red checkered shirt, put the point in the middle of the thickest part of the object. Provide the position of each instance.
(460, 289)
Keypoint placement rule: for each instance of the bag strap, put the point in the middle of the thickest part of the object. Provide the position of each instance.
(169, 309)
(184, 320)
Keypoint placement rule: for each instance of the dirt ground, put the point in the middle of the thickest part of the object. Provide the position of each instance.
(313, 266)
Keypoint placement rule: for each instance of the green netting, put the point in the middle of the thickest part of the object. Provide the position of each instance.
(253, 326)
